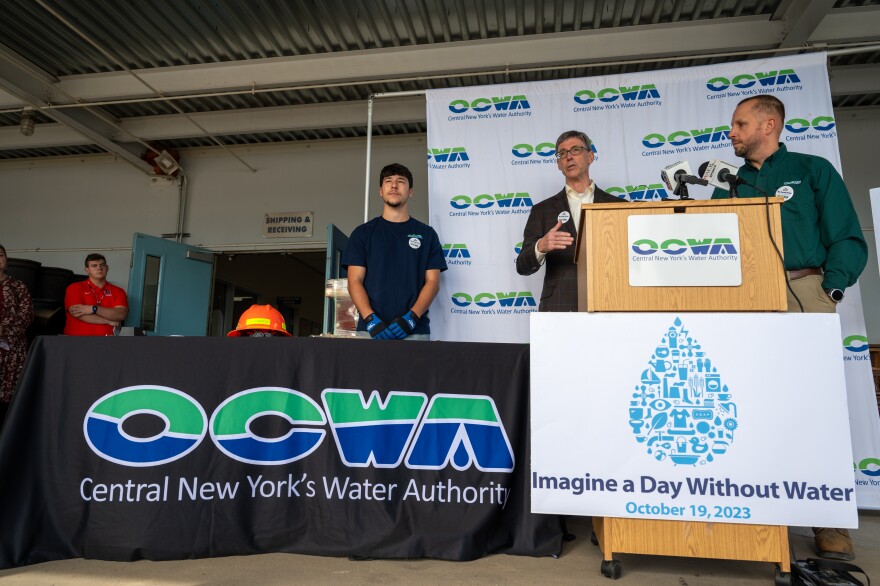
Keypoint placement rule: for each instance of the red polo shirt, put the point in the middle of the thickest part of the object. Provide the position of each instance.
(85, 292)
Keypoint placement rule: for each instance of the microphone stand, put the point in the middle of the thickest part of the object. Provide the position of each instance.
(733, 190)
(681, 190)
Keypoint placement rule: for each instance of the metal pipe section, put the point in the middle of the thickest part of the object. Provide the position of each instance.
(369, 154)
(854, 50)
(181, 206)
(370, 139)
(400, 94)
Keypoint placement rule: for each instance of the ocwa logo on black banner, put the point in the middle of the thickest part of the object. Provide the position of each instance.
(407, 429)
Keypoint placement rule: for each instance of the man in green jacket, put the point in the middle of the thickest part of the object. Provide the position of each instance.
(825, 251)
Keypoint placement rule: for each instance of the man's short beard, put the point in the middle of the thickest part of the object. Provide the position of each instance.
(748, 148)
(394, 204)
(745, 150)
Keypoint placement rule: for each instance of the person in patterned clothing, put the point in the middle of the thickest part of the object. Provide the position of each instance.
(16, 314)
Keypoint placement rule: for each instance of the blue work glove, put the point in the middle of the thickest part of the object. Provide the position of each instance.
(377, 328)
(404, 325)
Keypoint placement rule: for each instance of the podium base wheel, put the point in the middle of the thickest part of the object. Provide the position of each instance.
(782, 578)
(610, 569)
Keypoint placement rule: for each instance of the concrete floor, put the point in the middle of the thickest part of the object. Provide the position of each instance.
(578, 564)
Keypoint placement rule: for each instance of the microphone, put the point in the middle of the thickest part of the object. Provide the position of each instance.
(677, 175)
(702, 169)
(718, 174)
(725, 175)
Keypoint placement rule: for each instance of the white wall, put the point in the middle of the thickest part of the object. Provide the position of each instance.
(227, 201)
(57, 211)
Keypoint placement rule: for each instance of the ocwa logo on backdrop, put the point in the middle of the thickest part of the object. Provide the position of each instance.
(455, 157)
(486, 108)
(744, 84)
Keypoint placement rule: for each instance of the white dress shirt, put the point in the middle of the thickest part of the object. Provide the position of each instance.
(575, 200)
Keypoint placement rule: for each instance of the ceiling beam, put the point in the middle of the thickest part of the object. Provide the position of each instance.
(851, 25)
(45, 136)
(690, 39)
(855, 79)
(281, 119)
(404, 110)
(845, 80)
(801, 18)
(31, 85)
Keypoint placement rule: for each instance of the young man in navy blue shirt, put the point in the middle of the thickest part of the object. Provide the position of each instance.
(394, 264)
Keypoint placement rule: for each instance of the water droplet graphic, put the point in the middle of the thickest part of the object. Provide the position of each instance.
(461, 456)
(681, 409)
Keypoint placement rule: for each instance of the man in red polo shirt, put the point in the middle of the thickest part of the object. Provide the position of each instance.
(94, 306)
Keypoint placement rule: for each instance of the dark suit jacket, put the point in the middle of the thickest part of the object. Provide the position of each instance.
(560, 280)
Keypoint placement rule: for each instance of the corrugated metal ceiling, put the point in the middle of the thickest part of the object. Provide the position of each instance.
(160, 33)
(59, 37)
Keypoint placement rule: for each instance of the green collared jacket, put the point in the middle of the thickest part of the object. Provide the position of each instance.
(820, 227)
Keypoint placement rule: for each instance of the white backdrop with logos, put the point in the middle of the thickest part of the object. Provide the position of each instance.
(491, 157)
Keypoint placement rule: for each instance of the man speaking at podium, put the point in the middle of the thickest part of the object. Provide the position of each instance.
(825, 251)
(551, 229)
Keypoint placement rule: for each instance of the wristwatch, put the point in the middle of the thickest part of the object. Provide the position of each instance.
(836, 295)
(94, 309)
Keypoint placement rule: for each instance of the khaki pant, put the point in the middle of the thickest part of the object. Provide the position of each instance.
(813, 297)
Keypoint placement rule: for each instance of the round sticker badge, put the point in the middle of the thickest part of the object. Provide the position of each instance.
(786, 192)
(563, 217)
(415, 243)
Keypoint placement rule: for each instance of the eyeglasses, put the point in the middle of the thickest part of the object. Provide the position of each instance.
(575, 150)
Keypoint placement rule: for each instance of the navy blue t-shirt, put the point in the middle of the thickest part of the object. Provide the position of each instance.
(396, 256)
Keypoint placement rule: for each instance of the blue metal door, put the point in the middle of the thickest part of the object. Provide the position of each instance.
(169, 287)
(336, 243)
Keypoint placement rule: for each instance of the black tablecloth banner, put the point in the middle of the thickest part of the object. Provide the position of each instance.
(454, 495)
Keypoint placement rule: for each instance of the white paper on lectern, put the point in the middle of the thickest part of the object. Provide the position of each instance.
(777, 388)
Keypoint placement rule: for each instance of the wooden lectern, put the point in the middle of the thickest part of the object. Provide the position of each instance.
(602, 256)
(603, 252)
